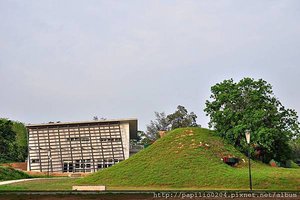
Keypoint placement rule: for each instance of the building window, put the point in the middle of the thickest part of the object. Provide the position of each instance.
(110, 139)
(105, 163)
(70, 167)
(116, 139)
(78, 139)
(35, 160)
(100, 166)
(65, 167)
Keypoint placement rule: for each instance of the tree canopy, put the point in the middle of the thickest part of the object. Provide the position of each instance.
(251, 104)
(7, 139)
(179, 119)
(295, 146)
(13, 141)
(159, 124)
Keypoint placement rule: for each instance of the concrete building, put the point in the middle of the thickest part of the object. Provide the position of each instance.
(79, 146)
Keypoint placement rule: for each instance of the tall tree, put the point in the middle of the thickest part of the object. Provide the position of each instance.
(251, 104)
(159, 124)
(21, 140)
(181, 118)
(7, 140)
(13, 141)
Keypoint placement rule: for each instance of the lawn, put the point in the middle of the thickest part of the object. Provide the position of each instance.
(185, 159)
(272, 179)
(8, 173)
(191, 158)
(52, 184)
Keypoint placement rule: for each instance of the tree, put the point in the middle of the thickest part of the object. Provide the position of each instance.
(7, 140)
(181, 118)
(251, 104)
(95, 118)
(13, 141)
(159, 124)
(142, 139)
(21, 141)
(295, 146)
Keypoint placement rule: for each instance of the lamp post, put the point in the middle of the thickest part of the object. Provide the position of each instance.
(247, 134)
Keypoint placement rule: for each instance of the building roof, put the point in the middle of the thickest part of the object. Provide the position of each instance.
(132, 124)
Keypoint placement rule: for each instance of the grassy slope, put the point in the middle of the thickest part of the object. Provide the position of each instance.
(179, 161)
(7, 173)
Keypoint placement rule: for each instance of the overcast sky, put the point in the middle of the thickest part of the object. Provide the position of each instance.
(68, 60)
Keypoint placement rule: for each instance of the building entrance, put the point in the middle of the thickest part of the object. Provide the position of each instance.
(68, 167)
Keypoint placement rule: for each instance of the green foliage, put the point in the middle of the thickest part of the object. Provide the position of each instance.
(294, 165)
(159, 124)
(7, 140)
(295, 146)
(21, 140)
(13, 141)
(8, 173)
(143, 138)
(182, 160)
(179, 119)
(250, 104)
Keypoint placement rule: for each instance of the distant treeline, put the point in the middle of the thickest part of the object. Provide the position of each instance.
(13, 141)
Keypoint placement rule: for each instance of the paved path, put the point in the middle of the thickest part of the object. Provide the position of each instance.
(29, 179)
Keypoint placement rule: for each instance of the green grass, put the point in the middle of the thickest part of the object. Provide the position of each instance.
(41, 185)
(8, 173)
(179, 162)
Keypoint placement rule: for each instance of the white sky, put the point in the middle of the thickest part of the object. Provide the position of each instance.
(68, 60)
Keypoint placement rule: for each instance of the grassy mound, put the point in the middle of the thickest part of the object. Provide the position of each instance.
(8, 173)
(191, 158)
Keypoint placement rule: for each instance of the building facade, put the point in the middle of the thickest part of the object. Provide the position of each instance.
(79, 146)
